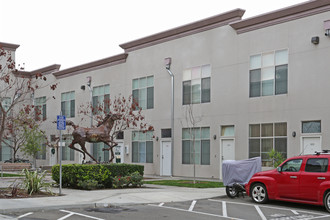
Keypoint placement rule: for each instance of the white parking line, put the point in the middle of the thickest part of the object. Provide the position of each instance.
(202, 213)
(262, 216)
(270, 207)
(76, 213)
(224, 209)
(193, 203)
(294, 212)
(26, 214)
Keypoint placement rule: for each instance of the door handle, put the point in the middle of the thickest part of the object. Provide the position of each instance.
(321, 178)
(293, 177)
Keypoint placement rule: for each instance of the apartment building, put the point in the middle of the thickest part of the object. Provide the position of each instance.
(251, 85)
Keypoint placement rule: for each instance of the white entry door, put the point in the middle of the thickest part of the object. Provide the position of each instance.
(119, 153)
(165, 158)
(310, 145)
(227, 147)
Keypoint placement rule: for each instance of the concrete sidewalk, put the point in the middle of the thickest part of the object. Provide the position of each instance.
(108, 197)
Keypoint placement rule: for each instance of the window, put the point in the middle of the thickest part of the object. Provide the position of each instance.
(41, 155)
(5, 152)
(269, 73)
(6, 102)
(101, 99)
(317, 165)
(99, 154)
(227, 131)
(40, 108)
(166, 133)
(143, 92)
(200, 137)
(311, 127)
(196, 85)
(67, 153)
(292, 165)
(68, 104)
(265, 137)
(142, 147)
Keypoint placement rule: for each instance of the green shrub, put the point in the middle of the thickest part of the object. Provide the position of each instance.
(136, 179)
(276, 157)
(120, 181)
(34, 182)
(89, 184)
(102, 173)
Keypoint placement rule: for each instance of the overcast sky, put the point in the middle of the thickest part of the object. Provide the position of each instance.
(74, 32)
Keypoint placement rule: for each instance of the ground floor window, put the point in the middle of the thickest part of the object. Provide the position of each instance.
(196, 145)
(5, 152)
(265, 137)
(41, 155)
(99, 154)
(142, 147)
(67, 153)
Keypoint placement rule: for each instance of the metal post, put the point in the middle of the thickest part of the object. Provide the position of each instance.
(60, 159)
(167, 66)
(89, 84)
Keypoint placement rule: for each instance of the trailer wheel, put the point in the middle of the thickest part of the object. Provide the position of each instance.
(231, 192)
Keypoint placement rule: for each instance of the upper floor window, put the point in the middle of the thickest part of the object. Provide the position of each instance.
(68, 104)
(40, 108)
(311, 127)
(101, 99)
(269, 73)
(6, 102)
(196, 85)
(143, 92)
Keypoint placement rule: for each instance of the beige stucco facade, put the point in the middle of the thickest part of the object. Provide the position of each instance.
(225, 42)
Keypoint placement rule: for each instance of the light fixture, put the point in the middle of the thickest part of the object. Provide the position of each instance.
(168, 62)
(157, 138)
(215, 137)
(294, 134)
(82, 87)
(315, 40)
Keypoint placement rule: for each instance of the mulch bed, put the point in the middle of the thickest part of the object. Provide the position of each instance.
(9, 193)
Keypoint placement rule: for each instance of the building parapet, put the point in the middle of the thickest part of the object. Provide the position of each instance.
(282, 15)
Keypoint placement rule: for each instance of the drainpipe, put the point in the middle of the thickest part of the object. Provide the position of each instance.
(89, 82)
(168, 66)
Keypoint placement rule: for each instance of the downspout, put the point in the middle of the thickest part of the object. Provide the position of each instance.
(167, 66)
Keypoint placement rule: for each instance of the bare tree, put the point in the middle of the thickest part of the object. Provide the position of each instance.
(191, 122)
(16, 88)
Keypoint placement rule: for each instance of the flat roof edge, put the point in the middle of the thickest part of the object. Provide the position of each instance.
(282, 15)
(191, 28)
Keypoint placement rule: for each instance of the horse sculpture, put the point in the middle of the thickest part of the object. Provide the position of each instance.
(101, 133)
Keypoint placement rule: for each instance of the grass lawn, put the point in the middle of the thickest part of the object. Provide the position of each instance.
(10, 175)
(187, 183)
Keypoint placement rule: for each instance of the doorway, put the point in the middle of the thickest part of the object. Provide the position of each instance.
(119, 153)
(310, 145)
(227, 151)
(165, 158)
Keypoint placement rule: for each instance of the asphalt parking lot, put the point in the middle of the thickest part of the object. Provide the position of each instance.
(215, 208)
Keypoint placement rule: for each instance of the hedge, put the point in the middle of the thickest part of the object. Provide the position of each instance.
(102, 173)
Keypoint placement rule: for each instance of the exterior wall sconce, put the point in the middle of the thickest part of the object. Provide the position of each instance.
(315, 40)
(215, 137)
(83, 87)
(327, 28)
(294, 134)
(157, 138)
